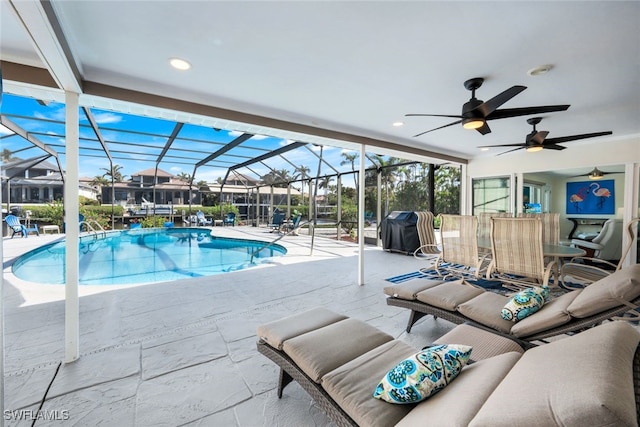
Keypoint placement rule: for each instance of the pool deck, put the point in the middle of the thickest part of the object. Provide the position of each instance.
(183, 353)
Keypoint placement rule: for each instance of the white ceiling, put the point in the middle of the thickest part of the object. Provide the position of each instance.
(354, 66)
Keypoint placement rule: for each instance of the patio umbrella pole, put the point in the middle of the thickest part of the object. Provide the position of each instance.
(315, 201)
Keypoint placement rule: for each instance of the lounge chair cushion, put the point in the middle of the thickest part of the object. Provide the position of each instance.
(602, 396)
(485, 309)
(324, 349)
(525, 303)
(553, 314)
(277, 332)
(464, 396)
(607, 292)
(449, 295)
(409, 289)
(351, 385)
(423, 374)
(485, 344)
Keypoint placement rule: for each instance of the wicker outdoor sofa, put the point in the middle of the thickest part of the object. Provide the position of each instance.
(591, 378)
(574, 311)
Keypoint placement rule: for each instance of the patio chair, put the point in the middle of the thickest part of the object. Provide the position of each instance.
(202, 220)
(230, 219)
(550, 225)
(15, 226)
(276, 221)
(428, 248)
(291, 226)
(459, 256)
(517, 253)
(586, 270)
(607, 245)
(484, 222)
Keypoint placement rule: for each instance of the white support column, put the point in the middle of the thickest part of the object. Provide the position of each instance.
(361, 216)
(72, 230)
(1, 327)
(465, 204)
(630, 206)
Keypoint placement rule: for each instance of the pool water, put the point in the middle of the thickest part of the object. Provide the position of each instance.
(145, 256)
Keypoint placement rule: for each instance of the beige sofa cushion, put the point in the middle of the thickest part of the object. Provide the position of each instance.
(460, 401)
(410, 288)
(584, 380)
(552, 314)
(485, 344)
(448, 295)
(485, 309)
(606, 293)
(275, 333)
(352, 385)
(322, 350)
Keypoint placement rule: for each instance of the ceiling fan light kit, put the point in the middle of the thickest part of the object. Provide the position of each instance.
(596, 174)
(534, 148)
(472, 123)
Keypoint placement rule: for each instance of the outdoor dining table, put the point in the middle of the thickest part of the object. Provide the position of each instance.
(557, 251)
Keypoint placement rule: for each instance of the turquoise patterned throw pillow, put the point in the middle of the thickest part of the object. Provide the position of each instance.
(423, 374)
(525, 303)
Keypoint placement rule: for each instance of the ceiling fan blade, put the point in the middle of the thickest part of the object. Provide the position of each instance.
(562, 139)
(553, 147)
(501, 145)
(434, 115)
(441, 127)
(525, 111)
(491, 105)
(508, 151)
(484, 129)
(539, 137)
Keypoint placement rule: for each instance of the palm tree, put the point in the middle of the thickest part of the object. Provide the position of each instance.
(183, 176)
(6, 156)
(100, 181)
(114, 173)
(324, 183)
(302, 171)
(350, 158)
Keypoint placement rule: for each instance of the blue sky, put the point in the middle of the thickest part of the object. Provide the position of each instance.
(139, 151)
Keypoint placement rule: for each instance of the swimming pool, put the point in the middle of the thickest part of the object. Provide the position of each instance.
(145, 256)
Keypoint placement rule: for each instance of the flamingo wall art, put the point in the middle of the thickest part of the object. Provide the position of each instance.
(591, 198)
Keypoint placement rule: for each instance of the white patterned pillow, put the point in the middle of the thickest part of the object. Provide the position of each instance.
(423, 374)
(525, 303)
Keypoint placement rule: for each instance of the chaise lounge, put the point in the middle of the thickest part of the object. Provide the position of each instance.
(339, 361)
(574, 311)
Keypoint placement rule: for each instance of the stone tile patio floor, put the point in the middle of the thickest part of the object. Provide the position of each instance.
(183, 353)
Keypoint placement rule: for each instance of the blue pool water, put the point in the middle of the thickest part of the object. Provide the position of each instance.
(144, 256)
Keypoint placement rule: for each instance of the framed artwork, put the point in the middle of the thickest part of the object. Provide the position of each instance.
(591, 197)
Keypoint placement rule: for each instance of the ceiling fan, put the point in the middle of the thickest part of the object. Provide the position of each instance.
(594, 174)
(476, 112)
(537, 140)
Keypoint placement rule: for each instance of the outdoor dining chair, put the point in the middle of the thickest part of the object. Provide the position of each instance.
(428, 248)
(517, 253)
(550, 225)
(230, 219)
(459, 245)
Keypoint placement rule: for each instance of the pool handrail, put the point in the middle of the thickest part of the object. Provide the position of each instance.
(90, 228)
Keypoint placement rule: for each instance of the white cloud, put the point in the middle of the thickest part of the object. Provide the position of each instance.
(107, 118)
(5, 131)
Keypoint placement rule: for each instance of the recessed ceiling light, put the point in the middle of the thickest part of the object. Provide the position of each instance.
(179, 64)
(542, 69)
(397, 124)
